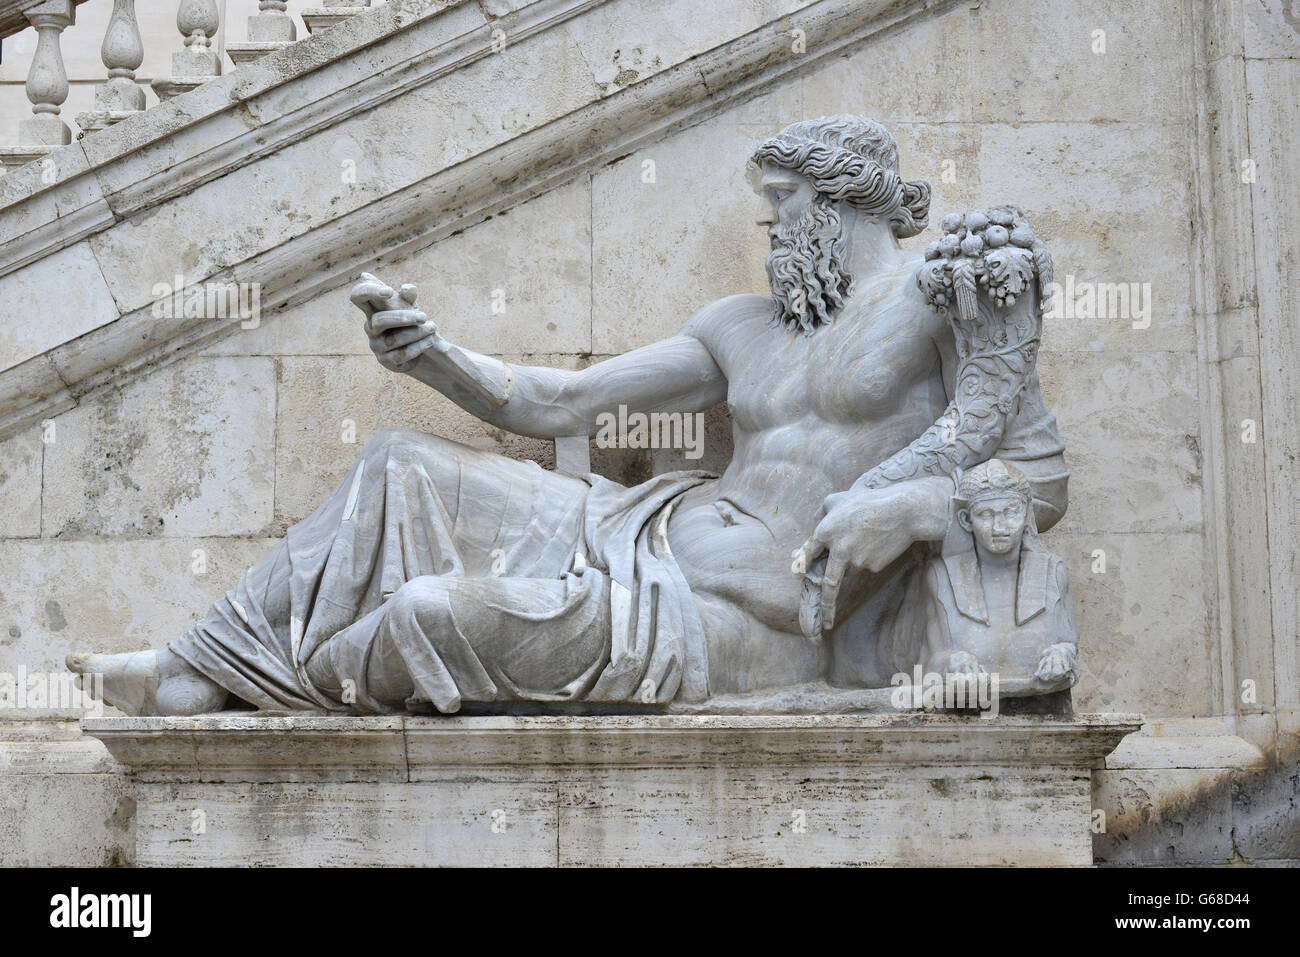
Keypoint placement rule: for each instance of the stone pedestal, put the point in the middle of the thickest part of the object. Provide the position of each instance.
(331, 13)
(270, 29)
(11, 157)
(922, 789)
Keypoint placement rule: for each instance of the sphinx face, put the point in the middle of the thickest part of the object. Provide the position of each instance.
(998, 523)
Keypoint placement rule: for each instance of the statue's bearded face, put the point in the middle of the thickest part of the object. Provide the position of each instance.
(806, 265)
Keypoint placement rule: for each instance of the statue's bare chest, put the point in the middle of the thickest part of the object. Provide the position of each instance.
(848, 375)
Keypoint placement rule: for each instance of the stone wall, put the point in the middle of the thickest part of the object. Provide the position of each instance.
(1091, 115)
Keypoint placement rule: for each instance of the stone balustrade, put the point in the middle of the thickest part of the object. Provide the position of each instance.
(121, 95)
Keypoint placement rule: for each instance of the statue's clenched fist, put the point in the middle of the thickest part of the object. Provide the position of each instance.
(399, 333)
(1059, 661)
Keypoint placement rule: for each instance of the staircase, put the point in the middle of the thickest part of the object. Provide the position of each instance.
(318, 158)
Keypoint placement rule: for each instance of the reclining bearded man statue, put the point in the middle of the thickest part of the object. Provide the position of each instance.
(436, 574)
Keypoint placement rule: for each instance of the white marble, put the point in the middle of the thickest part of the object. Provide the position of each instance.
(629, 791)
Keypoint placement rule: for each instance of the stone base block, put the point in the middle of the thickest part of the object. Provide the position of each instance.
(248, 52)
(44, 129)
(11, 157)
(196, 61)
(102, 119)
(64, 802)
(272, 25)
(920, 789)
(317, 19)
(168, 86)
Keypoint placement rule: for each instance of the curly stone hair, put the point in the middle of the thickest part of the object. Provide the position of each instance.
(853, 159)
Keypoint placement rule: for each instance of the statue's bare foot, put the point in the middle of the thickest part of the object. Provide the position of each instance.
(150, 683)
(1058, 664)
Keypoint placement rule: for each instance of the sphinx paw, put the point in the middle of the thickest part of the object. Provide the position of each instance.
(1058, 661)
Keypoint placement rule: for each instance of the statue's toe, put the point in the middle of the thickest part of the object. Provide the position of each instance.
(76, 662)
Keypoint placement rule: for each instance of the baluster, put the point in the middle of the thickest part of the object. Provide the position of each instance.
(197, 20)
(47, 87)
(268, 30)
(122, 53)
(333, 12)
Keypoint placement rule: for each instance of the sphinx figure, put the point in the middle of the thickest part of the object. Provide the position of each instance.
(436, 576)
(998, 601)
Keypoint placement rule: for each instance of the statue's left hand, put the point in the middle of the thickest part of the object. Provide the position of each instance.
(398, 332)
(868, 528)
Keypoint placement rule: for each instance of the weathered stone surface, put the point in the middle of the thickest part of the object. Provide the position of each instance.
(1165, 816)
(63, 801)
(1120, 83)
(1134, 446)
(85, 303)
(607, 791)
(1192, 792)
(1271, 30)
(1090, 224)
(948, 155)
(1266, 809)
(514, 285)
(941, 93)
(1143, 636)
(147, 592)
(1276, 135)
(20, 484)
(187, 451)
(703, 171)
(532, 261)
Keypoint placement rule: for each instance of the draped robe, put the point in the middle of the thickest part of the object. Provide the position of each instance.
(471, 576)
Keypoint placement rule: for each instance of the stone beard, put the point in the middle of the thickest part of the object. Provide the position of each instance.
(806, 269)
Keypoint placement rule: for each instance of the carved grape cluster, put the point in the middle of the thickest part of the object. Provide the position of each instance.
(996, 250)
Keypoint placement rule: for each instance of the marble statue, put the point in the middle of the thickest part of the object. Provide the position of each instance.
(437, 576)
(999, 602)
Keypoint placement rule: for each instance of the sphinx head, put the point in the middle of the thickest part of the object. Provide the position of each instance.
(994, 501)
(814, 178)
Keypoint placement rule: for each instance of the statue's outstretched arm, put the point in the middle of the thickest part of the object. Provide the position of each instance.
(677, 374)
